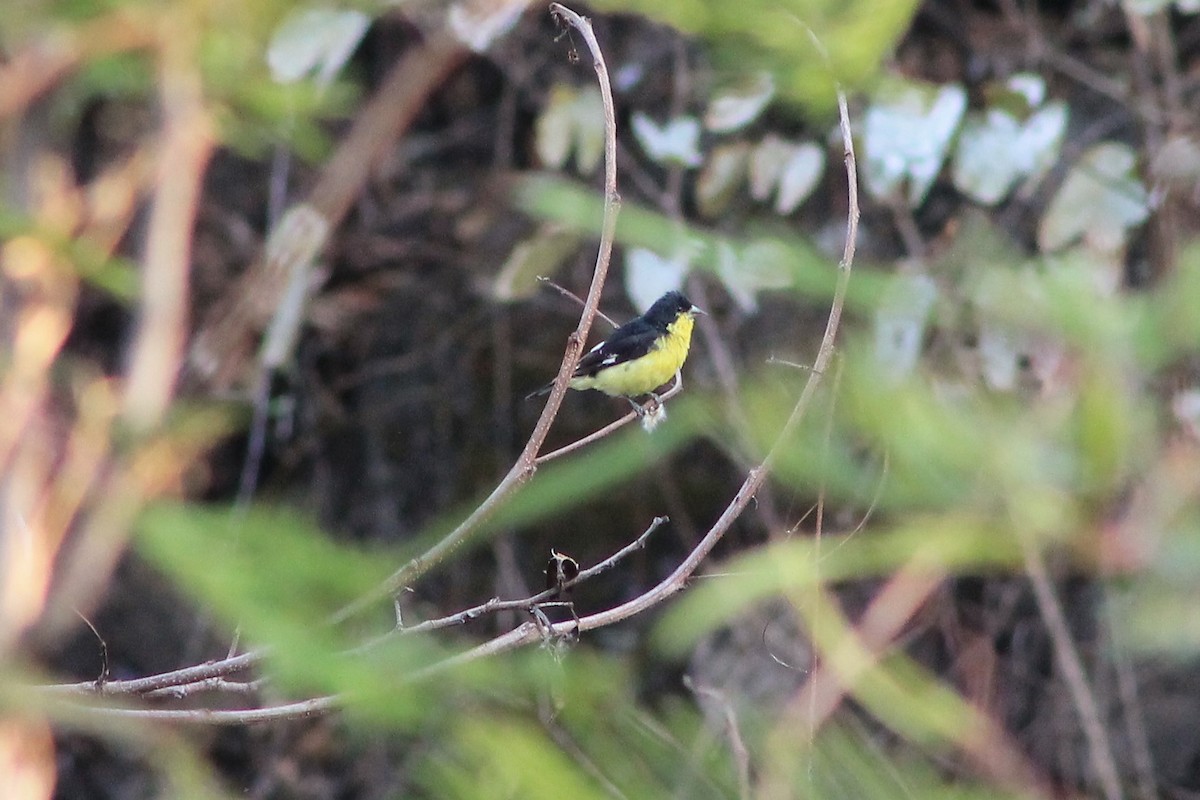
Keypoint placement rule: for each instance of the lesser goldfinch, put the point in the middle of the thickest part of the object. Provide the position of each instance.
(642, 354)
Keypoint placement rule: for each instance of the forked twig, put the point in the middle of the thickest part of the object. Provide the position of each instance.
(567, 293)
(496, 605)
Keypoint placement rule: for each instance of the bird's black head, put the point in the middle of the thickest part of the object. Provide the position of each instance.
(667, 308)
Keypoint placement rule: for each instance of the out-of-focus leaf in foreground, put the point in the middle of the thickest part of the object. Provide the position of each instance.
(598, 743)
(538, 256)
(271, 572)
(316, 42)
(949, 543)
(774, 36)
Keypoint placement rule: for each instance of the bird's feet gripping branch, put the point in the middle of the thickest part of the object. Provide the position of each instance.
(640, 356)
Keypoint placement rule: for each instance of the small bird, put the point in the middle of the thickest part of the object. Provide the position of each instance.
(642, 354)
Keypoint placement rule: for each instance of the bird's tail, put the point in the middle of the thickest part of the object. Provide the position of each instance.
(540, 392)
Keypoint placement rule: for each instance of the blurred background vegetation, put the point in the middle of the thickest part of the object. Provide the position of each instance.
(270, 299)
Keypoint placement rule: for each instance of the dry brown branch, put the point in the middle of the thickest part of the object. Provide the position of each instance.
(179, 677)
(521, 471)
(202, 716)
(37, 68)
(526, 463)
(188, 141)
(222, 354)
(496, 605)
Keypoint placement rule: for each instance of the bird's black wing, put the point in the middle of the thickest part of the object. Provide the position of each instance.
(628, 342)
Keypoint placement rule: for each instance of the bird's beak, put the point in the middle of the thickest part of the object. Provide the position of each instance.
(698, 310)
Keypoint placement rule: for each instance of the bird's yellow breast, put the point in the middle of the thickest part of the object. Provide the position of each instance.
(643, 375)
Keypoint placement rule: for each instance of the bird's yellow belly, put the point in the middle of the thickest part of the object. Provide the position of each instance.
(645, 374)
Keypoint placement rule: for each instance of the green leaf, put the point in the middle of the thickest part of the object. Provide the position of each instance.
(571, 123)
(995, 150)
(737, 104)
(273, 574)
(723, 173)
(906, 135)
(541, 255)
(675, 142)
(900, 322)
(648, 276)
(792, 168)
(951, 542)
(315, 41)
(1099, 202)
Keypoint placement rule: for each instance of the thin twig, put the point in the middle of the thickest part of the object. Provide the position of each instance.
(212, 676)
(608, 429)
(567, 293)
(207, 686)
(740, 753)
(529, 632)
(103, 676)
(496, 605)
(169, 683)
(239, 716)
(1069, 661)
(1132, 710)
(138, 686)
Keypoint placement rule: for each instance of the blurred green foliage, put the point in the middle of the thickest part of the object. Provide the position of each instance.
(954, 472)
(777, 36)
